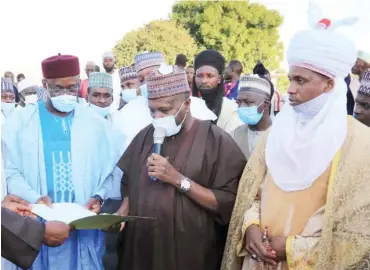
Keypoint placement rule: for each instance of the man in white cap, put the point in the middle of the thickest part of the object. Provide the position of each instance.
(109, 62)
(100, 93)
(27, 92)
(306, 186)
(362, 64)
(192, 198)
(362, 108)
(253, 99)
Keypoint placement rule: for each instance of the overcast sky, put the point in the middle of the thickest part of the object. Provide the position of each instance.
(36, 29)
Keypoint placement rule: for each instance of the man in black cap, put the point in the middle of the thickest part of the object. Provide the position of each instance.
(209, 82)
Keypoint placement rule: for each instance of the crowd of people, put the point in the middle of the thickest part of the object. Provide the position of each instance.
(245, 179)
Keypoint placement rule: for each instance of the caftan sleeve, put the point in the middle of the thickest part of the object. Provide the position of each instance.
(16, 182)
(299, 251)
(21, 238)
(229, 168)
(251, 217)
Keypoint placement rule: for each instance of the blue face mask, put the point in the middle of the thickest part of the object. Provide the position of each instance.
(144, 90)
(250, 115)
(99, 110)
(128, 94)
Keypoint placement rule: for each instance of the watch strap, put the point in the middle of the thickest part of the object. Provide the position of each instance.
(98, 198)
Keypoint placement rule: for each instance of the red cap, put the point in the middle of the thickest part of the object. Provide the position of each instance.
(60, 66)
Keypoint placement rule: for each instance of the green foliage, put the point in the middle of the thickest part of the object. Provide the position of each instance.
(282, 83)
(164, 36)
(238, 29)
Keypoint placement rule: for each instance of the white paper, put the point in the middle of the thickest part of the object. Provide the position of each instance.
(65, 212)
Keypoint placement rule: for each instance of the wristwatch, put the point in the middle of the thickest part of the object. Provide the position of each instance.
(185, 185)
(98, 198)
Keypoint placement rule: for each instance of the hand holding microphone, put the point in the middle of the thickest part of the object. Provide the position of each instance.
(158, 139)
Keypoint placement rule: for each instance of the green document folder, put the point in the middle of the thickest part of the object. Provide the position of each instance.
(79, 217)
(100, 222)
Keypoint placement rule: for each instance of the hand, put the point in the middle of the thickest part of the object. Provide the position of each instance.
(56, 233)
(18, 208)
(160, 168)
(45, 200)
(14, 198)
(116, 227)
(277, 244)
(255, 247)
(94, 205)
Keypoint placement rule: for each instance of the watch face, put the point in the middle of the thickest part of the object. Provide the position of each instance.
(185, 184)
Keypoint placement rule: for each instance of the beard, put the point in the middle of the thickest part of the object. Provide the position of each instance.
(109, 69)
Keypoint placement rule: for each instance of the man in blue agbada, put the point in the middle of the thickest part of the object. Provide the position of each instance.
(58, 151)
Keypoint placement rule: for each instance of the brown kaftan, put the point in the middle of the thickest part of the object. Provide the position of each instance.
(183, 235)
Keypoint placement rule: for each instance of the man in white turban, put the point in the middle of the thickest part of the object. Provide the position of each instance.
(306, 186)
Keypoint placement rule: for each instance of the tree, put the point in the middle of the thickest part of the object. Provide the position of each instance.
(163, 35)
(238, 29)
(282, 83)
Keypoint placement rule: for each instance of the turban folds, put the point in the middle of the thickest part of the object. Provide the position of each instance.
(210, 58)
(60, 66)
(322, 50)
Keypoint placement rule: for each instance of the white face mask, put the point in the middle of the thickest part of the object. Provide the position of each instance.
(309, 109)
(128, 94)
(169, 123)
(99, 110)
(64, 103)
(30, 99)
(7, 108)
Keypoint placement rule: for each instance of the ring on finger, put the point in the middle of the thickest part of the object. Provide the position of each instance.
(254, 256)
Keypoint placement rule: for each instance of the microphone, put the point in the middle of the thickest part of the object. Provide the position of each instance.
(158, 139)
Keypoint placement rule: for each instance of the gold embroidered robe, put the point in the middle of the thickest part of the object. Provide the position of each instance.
(337, 235)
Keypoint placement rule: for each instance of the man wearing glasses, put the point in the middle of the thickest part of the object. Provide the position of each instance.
(55, 155)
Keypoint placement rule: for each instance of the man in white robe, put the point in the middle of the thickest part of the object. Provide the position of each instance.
(58, 151)
(109, 62)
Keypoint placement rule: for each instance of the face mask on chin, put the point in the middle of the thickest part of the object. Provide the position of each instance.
(7, 108)
(250, 115)
(169, 123)
(312, 107)
(64, 103)
(129, 94)
(99, 110)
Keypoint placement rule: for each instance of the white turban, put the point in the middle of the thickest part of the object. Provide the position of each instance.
(108, 55)
(364, 56)
(322, 49)
(304, 139)
(25, 83)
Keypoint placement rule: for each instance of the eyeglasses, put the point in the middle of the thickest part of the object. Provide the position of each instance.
(73, 90)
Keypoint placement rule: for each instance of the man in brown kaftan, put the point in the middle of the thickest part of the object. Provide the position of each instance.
(197, 180)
